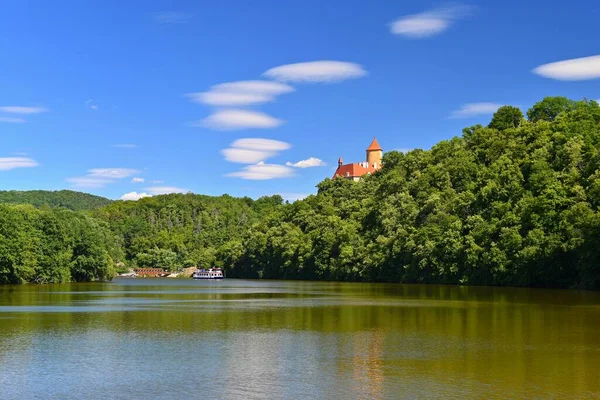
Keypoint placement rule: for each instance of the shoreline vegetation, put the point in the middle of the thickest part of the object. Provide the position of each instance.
(514, 203)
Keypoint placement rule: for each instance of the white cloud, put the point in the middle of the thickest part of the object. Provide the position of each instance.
(112, 173)
(89, 182)
(253, 150)
(218, 98)
(308, 163)
(153, 191)
(254, 86)
(22, 110)
(12, 120)
(91, 105)
(474, 109)
(99, 177)
(404, 150)
(241, 93)
(293, 196)
(261, 144)
(262, 171)
(134, 196)
(428, 23)
(577, 69)
(8, 163)
(138, 180)
(125, 146)
(239, 119)
(172, 17)
(316, 71)
(157, 182)
(246, 156)
(166, 190)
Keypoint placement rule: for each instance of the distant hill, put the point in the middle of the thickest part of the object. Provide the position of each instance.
(72, 200)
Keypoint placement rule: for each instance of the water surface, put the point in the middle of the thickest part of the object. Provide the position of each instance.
(239, 339)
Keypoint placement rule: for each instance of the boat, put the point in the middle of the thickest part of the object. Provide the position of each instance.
(211, 273)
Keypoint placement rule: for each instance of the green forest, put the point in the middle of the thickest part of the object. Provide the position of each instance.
(513, 203)
(75, 201)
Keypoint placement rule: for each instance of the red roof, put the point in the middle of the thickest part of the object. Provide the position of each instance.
(374, 145)
(354, 170)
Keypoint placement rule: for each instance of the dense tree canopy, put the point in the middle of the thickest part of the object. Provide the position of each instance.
(549, 108)
(62, 198)
(46, 245)
(506, 117)
(182, 230)
(510, 204)
(513, 203)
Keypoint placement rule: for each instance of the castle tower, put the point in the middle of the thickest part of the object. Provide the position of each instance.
(374, 154)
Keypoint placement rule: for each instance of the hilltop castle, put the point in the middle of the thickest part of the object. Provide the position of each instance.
(356, 170)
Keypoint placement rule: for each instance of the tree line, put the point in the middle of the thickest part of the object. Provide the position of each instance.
(70, 199)
(511, 203)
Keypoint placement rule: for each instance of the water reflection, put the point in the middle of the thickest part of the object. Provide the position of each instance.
(256, 339)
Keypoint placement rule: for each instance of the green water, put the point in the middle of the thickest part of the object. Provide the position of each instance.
(238, 339)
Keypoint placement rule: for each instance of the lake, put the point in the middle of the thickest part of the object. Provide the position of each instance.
(242, 339)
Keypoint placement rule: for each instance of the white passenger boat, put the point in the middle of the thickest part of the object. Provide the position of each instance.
(211, 273)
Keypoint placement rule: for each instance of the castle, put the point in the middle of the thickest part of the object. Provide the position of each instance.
(357, 170)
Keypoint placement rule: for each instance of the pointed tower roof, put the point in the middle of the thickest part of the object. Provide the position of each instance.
(374, 145)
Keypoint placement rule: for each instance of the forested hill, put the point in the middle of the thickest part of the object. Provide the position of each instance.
(72, 200)
(512, 203)
(182, 230)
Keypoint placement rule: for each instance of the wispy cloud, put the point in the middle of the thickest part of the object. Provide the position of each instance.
(136, 179)
(404, 150)
(99, 177)
(316, 71)
(156, 190)
(429, 23)
(577, 69)
(262, 171)
(8, 163)
(474, 109)
(134, 196)
(22, 110)
(308, 163)
(157, 182)
(246, 156)
(12, 120)
(125, 146)
(218, 98)
(88, 182)
(90, 103)
(226, 120)
(241, 93)
(254, 86)
(172, 17)
(253, 150)
(261, 144)
(112, 173)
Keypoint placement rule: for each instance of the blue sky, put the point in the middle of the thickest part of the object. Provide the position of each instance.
(95, 94)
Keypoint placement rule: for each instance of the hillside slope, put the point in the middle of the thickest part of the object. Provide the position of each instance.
(76, 201)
